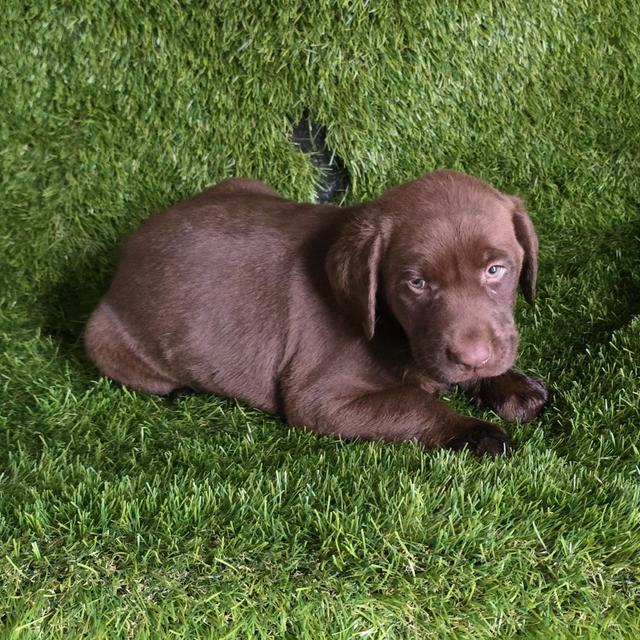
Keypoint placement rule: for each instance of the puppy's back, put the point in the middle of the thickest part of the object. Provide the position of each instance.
(201, 291)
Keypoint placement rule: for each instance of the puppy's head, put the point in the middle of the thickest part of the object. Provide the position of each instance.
(447, 252)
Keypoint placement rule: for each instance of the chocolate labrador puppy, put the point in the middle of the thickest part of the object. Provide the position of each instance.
(348, 321)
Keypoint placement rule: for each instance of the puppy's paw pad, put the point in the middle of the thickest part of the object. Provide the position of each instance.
(483, 438)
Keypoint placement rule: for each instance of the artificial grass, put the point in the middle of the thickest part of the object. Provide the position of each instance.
(124, 516)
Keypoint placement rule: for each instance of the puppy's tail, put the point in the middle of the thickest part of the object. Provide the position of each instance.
(332, 181)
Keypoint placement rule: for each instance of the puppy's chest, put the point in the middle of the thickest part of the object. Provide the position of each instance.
(397, 362)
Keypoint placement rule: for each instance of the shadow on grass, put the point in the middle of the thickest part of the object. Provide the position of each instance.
(569, 341)
(584, 323)
(66, 306)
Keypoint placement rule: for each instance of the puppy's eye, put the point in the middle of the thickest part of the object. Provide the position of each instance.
(496, 270)
(418, 283)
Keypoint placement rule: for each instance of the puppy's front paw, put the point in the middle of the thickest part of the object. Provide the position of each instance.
(514, 396)
(482, 438)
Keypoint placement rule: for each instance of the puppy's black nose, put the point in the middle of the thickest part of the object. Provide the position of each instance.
(471, 354)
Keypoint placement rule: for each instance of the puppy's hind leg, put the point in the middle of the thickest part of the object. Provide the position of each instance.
(117, 355)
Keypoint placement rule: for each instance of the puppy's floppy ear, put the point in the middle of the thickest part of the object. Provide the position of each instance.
(353, 264)
(526, 236)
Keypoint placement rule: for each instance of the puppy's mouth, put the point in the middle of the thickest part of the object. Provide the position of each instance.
(439, 369)
(459, 375)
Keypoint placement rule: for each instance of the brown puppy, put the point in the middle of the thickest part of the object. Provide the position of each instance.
(346, 320)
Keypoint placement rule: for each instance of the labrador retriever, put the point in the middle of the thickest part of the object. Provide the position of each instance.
(348, 321)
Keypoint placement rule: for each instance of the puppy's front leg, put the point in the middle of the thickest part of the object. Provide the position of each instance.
(513, 395)
(401, 414)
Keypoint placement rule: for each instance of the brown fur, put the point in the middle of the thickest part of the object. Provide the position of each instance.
(309, 310)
